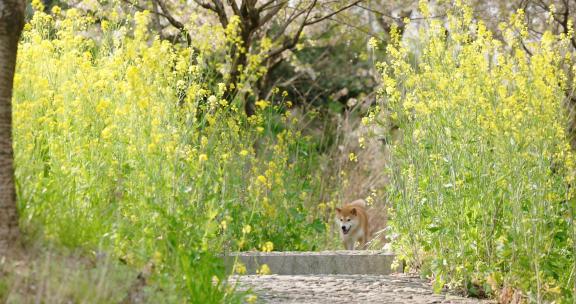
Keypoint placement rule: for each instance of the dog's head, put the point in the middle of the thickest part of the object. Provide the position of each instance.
(347, 218)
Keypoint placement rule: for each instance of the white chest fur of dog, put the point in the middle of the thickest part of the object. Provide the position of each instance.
(353, 224)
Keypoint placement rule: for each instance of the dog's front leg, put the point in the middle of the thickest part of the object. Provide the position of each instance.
(362, 243)
(349, 244)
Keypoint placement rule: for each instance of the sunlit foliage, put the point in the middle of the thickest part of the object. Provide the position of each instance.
(483, 174)
(124, 144)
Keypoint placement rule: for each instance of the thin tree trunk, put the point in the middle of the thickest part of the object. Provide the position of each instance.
(239, 62)
(156, 19)
(11, 24)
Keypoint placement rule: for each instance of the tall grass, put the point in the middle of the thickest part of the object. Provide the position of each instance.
(51, 277)
(483, 175)
(124, 144)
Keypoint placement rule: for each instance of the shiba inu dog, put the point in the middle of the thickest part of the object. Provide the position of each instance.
(353, 222)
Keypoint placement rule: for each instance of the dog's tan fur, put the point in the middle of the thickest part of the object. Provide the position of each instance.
(353, 224)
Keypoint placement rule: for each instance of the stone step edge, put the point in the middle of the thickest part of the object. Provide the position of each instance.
(312, 263)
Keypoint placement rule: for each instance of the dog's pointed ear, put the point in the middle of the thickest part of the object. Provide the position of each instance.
(353, 211)
(338, 210)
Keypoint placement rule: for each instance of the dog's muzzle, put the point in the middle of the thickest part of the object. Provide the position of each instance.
(345, 229)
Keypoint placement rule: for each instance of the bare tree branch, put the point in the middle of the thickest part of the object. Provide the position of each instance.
(141, 8)
(234, 6)
(156, 19)
(205, 5)
(253, 18)
(216, 6)
(397, 18)
(525, 47)
(290, 43)
(272, 13)
(177, 24)
(166, 14)
(320, 19)
(352, 26)
(221, 13)
(293, 16)
(266, 5)
(251, 15)
(562, 22)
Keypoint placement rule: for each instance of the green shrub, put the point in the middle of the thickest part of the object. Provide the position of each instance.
(123, 143)
(483, 174)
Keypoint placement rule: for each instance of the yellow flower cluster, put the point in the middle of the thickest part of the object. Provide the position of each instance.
(123, 137)
(484, 172)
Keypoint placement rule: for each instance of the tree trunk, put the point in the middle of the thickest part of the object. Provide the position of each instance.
(156, 19)
(239, 62)
(11, 24)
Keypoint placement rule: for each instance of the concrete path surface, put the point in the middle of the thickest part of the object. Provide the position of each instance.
(334, 289)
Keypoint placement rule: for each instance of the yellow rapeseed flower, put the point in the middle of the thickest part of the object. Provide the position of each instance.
(102, 106)
(106, 132)
(247, 229)
(261, 179)
(262, 104)
(56, 10)
(373, 43)
(267, 247)
(353, 157)
(361, 142)
(251, 299)
(38, 5)
(264, 270)
(239, 268)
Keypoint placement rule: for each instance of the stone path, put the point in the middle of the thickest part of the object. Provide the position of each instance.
(334, 289)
